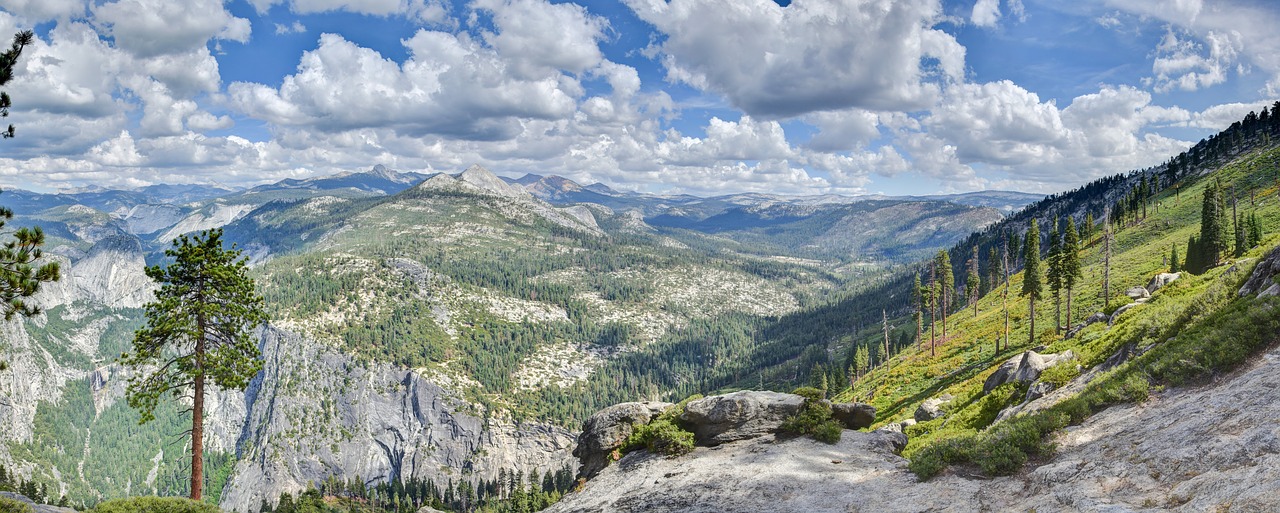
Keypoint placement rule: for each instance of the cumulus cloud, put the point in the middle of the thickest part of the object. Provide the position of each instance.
(451, 85)
(536, 36)
(41, 10)
(998, 122)
(813, 55)
(986, 13)
(1219, 117)
(1184, 64)
(148, 28)
(1220, 33)
(295, 28)
(431, 11)
(843, 130)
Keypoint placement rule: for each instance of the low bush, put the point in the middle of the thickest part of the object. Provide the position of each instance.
(814, 417)
(664, 434)
(13, 506)
(154, 505)
(661, 436)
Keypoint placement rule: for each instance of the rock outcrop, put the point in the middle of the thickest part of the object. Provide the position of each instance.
(1161, 280)
(315, 413)
(854, 415)
(1097, 317)
(931, 408)
(1024, 368)
(739, 415)
(35, 508)
(1263, 281)
(606, 430)
(1120, 311)
(1215, 448)
(1137, 293)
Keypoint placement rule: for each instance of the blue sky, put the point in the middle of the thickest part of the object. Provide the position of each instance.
(698, 96)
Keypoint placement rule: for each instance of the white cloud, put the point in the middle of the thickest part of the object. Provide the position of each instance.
(1240, 31)
(41, 10)
(1183, 64)
(986, 13)
(148, 28)
(1219, 117)
(997, 122)
(843, 130)
(536, 36)
(296, 28)
(745, 139)
(813, 55)
(429, 11)
(451, 85)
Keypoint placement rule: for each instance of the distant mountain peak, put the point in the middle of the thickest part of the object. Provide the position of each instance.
(480, 177)
(391, 175)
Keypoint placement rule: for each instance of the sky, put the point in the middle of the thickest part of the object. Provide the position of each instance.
(679, 96)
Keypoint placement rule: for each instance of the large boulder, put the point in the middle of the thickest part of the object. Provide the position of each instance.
(1263, 281)
(1120, 311)
(1025, 368)
(606, 430)
(1097, 317)
(1160, 280)
(898, 427)
(35, 508)
(932, 408)
(1137, 292)
(739, 415)
(854, 415)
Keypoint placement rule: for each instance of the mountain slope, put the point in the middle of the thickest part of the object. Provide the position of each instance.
(1213, 448)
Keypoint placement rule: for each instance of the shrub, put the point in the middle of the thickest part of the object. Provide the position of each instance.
(13, 506)
(661, 436)
(1061, 373)
(155, 505)
(814, 417)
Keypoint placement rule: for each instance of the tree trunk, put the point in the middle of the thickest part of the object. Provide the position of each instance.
(1068, 308)
(1031, 302)
(197, 419)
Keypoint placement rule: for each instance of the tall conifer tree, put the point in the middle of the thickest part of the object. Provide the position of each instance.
(196, 330)
(1032, 286)
(1070, 262)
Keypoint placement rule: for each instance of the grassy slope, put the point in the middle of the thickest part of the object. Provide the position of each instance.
(1179, 320)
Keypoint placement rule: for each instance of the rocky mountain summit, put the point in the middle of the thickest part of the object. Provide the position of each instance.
(1213, 448)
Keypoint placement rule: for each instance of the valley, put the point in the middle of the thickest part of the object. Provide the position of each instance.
(437, 328)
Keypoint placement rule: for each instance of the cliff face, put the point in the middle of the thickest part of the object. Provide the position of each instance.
(316, 413)
(1214, 448)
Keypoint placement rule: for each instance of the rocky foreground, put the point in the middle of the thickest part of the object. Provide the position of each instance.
(1212, 448)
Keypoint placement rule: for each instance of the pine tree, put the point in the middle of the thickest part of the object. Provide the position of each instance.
(973, 282)
(860, 361)
(196, 330)
(1069, 261)
(947, 287)
(1106, 261)
(994, 270)
(1213, 227)
(1004, 298)
(933, 305)
(19, 277)
(1032, 287)
(917, 292)
(1053, 274)
(884, 352)
(1194, 256)
(1173, 259)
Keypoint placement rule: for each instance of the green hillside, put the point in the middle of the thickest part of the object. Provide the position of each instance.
(1189, 331)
